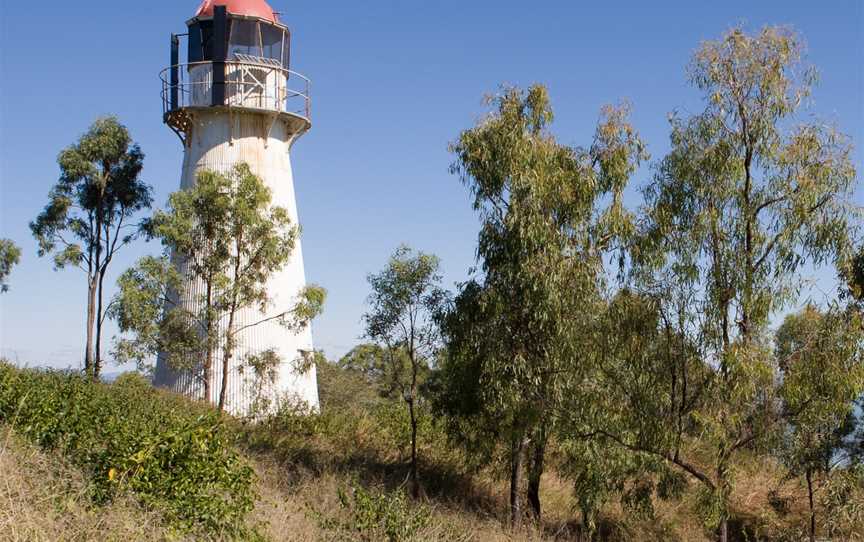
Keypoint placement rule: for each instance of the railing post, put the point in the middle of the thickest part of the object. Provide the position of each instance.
(220, 52)
(175, 71)
(308, 100)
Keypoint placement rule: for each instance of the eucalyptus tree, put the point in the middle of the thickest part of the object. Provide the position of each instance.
(229, 239)
(90, 213)
(10, 255)
(820, 356)
(549, 213)
(747, 194)
(851, 275)
(405, 300)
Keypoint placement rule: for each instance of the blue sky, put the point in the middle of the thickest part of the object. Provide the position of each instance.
(393, 83)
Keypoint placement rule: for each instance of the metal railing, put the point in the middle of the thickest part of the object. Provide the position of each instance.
(249, 85)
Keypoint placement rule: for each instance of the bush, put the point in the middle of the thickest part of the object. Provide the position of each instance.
(171, 453)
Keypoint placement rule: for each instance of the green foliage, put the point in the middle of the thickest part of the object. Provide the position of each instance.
(376, 515)
(648, 378)
(89, 213)
(353, 430)
(602, 472)
(222, 221)
(711, 507)
(597, 474)
(403, 303)
(263, 367)
(468, 407)
(142, 310)
(819, 354)
(791, 210)
(549, 214)
(359, 431)
(171, 454)
(98, 188)
(10, 254)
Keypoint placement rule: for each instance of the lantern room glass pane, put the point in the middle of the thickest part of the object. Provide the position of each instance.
(271, 38)
(244, 38)
(195, 51)
(206, 40)
(286, 51)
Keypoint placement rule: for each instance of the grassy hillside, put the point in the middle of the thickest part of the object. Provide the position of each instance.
(339, 475)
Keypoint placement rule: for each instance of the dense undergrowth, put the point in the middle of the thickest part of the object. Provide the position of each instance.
(173, 455)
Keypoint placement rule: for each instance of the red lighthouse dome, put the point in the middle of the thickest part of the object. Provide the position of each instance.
(248, 8)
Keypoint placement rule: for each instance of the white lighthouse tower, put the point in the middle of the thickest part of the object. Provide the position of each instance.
(234, 100)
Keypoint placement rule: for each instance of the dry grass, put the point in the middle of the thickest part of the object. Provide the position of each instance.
(291, 503)
(43, 498)
(291, 496)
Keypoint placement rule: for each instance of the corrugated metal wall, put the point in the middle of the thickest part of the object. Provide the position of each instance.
(218, 142)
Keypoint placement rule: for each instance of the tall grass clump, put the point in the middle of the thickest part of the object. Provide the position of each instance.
(370, 516)
(172, 454)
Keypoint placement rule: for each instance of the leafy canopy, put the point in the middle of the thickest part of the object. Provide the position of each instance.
(405, 298)
(10, 255)
(99, 190)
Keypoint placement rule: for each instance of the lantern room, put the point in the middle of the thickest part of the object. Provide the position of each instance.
(249, 29)
(237, 56)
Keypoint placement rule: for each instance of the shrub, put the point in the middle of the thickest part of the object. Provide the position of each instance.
(172, 454)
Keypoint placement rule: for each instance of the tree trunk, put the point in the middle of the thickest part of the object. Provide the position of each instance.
(232, 312)
(97, 363)
(96, 267)
(208, 373)
(517, 453)
(228, 352)
(723, 490)
(91, 320)
(535, 471)
(746, 305)
(415, 481)
(226, 359)
(809, 476)
(208, 341)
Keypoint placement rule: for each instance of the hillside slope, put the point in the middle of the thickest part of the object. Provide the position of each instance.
(338, 475)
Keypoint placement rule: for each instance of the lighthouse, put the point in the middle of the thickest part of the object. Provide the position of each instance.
(233, 99)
